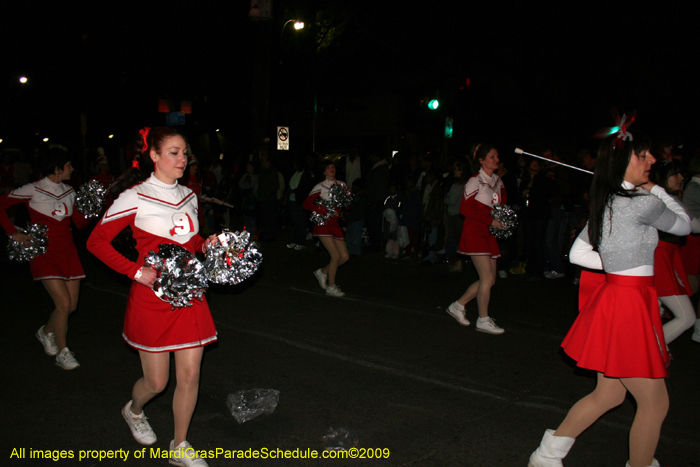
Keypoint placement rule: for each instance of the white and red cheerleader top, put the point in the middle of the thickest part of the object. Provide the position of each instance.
(157, 213)
(49, 203)
(320, 191)
(481, 193)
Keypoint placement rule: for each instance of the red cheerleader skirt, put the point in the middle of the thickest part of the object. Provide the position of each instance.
(690, 255)
(618, 332)
(152, 325)
(59, 262)
(670, 277)
(329, 229)
(476, 240)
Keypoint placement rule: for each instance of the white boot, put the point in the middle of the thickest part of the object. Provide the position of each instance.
(654, 463)
(551, 451)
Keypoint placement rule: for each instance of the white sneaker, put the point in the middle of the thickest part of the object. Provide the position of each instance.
(66, 359)
(554, 275)
(457, 312)
(334, 291)
(140, 428)
(299, 247)
(291, 245)
(503, 274)
(184, 455)
(488, 325)
(48, 341)
(322, 278)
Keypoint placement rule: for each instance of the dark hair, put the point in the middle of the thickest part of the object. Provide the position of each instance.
(611, 165)
(56, 158)
(154, 140)
(661, 172)
(481, 150)
(694, 166)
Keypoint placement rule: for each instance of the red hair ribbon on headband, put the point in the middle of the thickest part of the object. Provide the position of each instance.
(478, 146)
(144, 133)
(135, 163)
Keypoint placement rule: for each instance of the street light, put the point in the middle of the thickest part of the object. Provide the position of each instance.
(297, 25)
(23, 79)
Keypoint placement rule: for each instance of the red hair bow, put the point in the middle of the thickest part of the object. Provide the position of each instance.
(144, 133)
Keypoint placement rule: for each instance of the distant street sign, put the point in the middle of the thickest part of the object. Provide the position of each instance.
(283, 138)
(175, 118)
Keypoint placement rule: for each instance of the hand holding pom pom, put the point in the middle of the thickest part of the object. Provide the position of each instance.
(232, 259)
(27, 244)
(339, 197)
(181, 277)
(505, 221)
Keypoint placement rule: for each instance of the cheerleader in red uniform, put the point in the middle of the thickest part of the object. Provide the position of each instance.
(330, 234)
(159, 210)
(50, 202)
(618, 332)
(671, 281)
(482, 191)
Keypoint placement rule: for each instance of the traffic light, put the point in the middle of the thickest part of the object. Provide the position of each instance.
(433, 104)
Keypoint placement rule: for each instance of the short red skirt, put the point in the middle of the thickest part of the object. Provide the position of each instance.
(670, 277)
(329, 229)
(60, 262)
(690, 255)
(476, 240)
(618, 332)
(152, 325)
(588, 283)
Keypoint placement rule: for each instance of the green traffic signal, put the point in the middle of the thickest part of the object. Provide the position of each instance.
(433, 104)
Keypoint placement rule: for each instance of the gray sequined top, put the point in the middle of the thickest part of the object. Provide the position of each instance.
(629, 238)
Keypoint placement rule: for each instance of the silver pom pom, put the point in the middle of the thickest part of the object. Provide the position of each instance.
(508, 219)
(339, 196)
(181, 276)
(233, 259)
(90, 198)
(38, 242)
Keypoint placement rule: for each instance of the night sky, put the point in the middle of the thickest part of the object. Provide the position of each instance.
(537, 76)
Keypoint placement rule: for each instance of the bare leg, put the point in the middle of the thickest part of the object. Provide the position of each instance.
(156, 371)
(481, 289)
(339, 256)
(608, 394)
(652, 406)
(187, 365)
(65, 299)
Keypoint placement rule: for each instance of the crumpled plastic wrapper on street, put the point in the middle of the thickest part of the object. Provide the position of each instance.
(38, 242)
(507, 217)
(181, 276)
(233, 259)
(339, 196)
(90, 198)
(245, 405)
(340, 439)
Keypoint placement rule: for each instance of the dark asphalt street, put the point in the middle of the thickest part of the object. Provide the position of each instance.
(385, 361)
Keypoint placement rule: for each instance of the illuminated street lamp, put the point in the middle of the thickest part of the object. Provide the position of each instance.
(45, 140)
(23, 79)
(297, 25)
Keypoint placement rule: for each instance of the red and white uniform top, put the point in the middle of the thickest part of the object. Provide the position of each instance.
(481, 193)
(320, 191)
(49, 203)
(158, 213)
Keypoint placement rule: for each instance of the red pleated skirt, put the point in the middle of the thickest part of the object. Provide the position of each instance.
(60, 262)
(476, 240)
(330, 229)
(669, 273)
(152, 325)
(618, 331)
